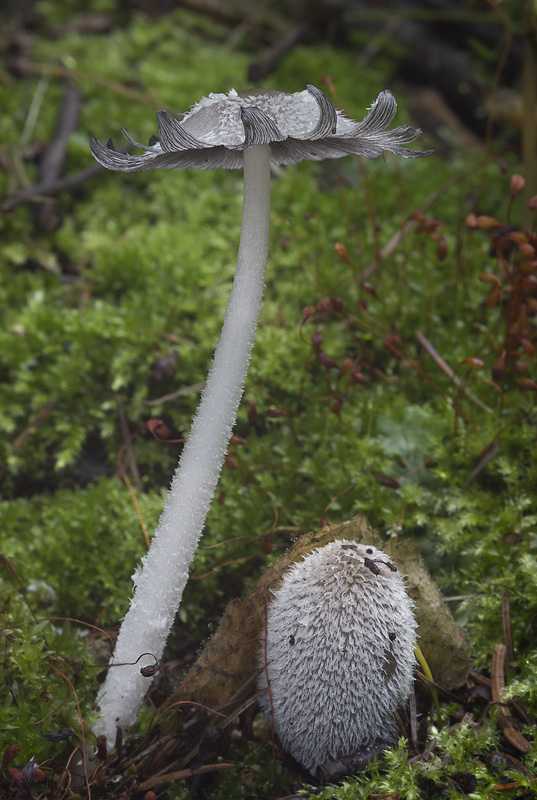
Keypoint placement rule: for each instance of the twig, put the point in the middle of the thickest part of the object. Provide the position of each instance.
(195, 387)
(439, 361)
(260, 69)
(48, 215)
(398, 237)
(41, 416)
(130, 487)
(53, 159)
(62, 71)
(426, 753)
(441, 690)
(181, 775)
(129, 450)
(497, 74)
(482, 680)
(378, 40)
(33, 111)
(59, 619)
(491, 451)
(505, 718)
(389, 346)
(41, 191)
(414, 722)
(507, 630)
(529, 126)
(508, 787)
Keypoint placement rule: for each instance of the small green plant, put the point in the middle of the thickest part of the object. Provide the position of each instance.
(48, 680)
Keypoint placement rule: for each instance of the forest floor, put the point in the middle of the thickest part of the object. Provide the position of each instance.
(394, 375)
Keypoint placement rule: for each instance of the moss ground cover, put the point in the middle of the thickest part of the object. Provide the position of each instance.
(345, 410)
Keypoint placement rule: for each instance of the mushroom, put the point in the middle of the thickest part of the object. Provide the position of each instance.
(251, 129)
(338, 653)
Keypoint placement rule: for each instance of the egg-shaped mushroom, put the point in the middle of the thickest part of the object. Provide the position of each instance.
(337, 656)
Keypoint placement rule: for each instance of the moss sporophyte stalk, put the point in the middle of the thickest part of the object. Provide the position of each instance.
(251, 129)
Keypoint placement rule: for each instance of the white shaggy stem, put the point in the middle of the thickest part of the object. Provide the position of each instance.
(160, 584)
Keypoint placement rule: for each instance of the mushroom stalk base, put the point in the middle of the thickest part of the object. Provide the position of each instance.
(160, 583)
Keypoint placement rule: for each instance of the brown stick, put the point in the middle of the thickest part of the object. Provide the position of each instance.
(437, 358)
(195, 387)
(508, 787)
(529, 126)
(42, 415)
(505, 719)
(127, 442)
(53, 159)
(48, 215)
(37, 193)
(490, 453)
(181, 774)
(482, 680)
(507, 630)
(260, 69)
(398, 237)
(414, 722)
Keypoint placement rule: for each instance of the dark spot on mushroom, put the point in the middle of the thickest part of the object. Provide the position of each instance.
(291, 639)
(391, 636)
(390, 664)
(369, 550)
(372, 566)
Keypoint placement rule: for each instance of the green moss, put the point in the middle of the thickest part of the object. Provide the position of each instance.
(44, 669)
(444, 775)
(81, 543)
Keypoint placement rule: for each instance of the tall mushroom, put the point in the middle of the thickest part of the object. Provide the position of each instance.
(251, 129)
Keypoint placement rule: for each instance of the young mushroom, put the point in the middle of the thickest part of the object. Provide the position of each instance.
(251, 129)
(338, 653)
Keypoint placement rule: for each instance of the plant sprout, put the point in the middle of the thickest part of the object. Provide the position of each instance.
(251, 129)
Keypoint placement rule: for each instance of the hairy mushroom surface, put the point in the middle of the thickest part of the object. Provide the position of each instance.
(338, 653)
(251, 129)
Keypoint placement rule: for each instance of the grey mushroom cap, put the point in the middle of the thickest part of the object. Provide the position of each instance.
(299, 126)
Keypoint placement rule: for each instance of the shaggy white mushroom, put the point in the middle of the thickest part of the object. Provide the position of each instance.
(251, 129)
(339, 653)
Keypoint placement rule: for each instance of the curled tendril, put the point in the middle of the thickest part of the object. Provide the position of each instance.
(147, 671)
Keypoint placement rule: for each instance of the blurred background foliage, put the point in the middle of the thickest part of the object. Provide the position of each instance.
(113, 290)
